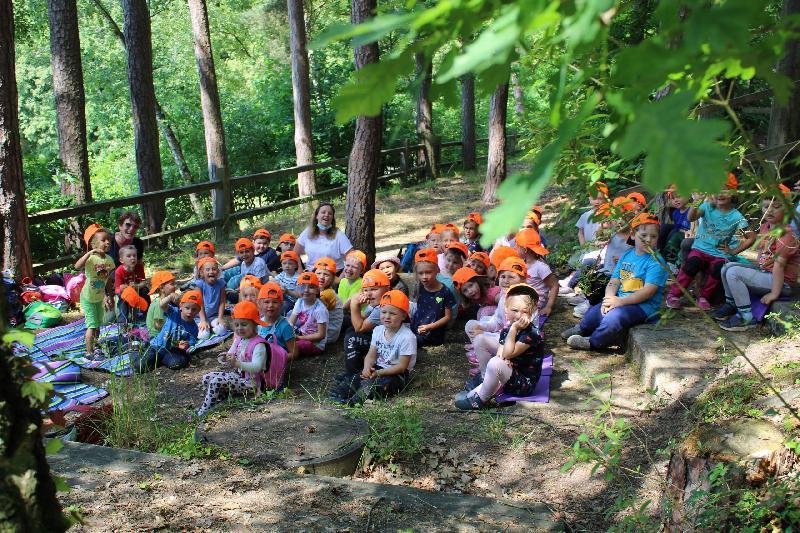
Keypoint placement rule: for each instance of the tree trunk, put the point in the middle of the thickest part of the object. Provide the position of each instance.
(216, 153)
(496, 164)
(365, 156)
(143, 107)
(13, 211)
(468, 122)
(784, 121)
(426, 154)
(65, 58)
(303, 146)
(519, 96)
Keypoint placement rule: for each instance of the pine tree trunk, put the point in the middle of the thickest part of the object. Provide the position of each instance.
(216, 153)
(468, 122)
(65, 58)
(13, 211)
(143, 106)
(784, 120)
(365, 156)
(303, 145)
(426, 154)
(519, 96)
(496, 164)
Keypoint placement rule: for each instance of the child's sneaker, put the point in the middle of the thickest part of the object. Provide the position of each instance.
(473, 382)
(581, 309)
(565, 291)
(96, 355)
(724, 311)
(674, 302)
(703, 304)
(472, 358)
(737, 323)
(578, 342)
(574, 330)
(472, 402)
(576, 300)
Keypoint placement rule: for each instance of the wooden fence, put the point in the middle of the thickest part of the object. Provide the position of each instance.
(404, 166)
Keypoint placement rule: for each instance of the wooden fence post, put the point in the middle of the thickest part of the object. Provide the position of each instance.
(437, 159)
(404, 159)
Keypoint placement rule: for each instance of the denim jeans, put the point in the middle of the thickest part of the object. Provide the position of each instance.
(606, 330)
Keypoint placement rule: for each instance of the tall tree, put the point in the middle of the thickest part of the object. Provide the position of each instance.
(496, 164)
(13, 211)
(303, 146)
(784, 120)
(427, 154)
(143, 106)
(216, 152)
(519, 95)
(365, 156)
(468, 121)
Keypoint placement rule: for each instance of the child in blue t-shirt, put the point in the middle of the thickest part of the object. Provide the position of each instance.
(179, 333)
(435, 302)
(212, 286)
(671, 235)
(633, 296)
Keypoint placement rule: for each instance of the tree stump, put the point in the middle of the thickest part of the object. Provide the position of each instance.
(753, 448)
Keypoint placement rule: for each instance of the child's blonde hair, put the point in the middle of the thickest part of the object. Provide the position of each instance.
(529, 301)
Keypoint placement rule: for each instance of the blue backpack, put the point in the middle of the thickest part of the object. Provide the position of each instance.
(407, 261)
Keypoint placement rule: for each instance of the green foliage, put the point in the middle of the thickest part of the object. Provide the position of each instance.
(729, 398)
(183, 444)
(395, 430)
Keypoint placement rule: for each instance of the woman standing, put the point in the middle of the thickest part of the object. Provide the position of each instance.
(323, 239)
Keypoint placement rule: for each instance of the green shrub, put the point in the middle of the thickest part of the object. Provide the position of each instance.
(395, 430)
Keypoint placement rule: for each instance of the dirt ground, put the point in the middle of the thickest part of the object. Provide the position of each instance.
(514, 452)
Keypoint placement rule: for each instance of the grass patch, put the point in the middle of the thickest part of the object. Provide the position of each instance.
(786, 373)
(729, 398)
(395, 430)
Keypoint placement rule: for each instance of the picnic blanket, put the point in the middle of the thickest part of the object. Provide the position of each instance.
(70, 395)
(542, 392)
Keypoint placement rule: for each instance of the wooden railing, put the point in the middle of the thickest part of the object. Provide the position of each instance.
(405, 168)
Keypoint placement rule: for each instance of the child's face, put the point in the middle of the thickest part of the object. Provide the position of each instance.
(289, 266)
(453, 261)
(646, 235)
(246, 255)
(189, 311)
(388, 268)
(508, 278)
(528, 223)
(433, 241)
(596, 201)
(516, 308)
(352, 268)
(248, 294)
(477, 266)
(129, 259)
(723, 199)
(261, 244)
(374, 294)
(210, 273)
(678, 202)
(286, 246)
(471, 290)
(470, 230)
(325, 278)
(392, 317)
(269, 308)
(426, 273)
(308, 292)
(102, 241)
(203, 252)
(773, 212)
(447, 237)
(168, 288)
(244, 328)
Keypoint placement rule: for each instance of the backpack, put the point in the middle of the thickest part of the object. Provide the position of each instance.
(407, 261)
(15, 314)
(39, 315)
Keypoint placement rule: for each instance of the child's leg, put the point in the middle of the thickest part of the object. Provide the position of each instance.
(486, 345)
(468, 327)
(614, 323)
(663, 236)
(307, 348)
(218, 327)
(686, 249)
(381, 387)
(694, 263)
(356, 346)
(90, 338)
(232, 273)
(174, 359)
(220, 385)
(498, 371)
(713, 267)
(672, 250)
(741, 280)
(591, 320)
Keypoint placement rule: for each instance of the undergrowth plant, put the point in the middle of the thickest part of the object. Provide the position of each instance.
(731, 397)
(395, 430)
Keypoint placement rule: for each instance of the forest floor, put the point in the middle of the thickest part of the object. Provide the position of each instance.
(514, 453)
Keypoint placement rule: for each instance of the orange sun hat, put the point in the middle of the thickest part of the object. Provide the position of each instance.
(623, 202)
(194, 297)
(325, 263)
(375, 278)
(291, 255)
(132, 298)
(287, 237)
(262, 233)
(247, 310)
(361, 256)
(250, 281)
(476, 217)
(308, 278)
(529, 238)
(500, 254)
(644, 218)
(90, 232)
(160, 278)
(460, 246)
(204, 261)
(463, 275)
(244, 244)
(426, 255)
(637, 197)
(396, 299)
(206, 245)
(515, 265)
(483, 257)
(435, 230)
(270, 290)
(452, 227)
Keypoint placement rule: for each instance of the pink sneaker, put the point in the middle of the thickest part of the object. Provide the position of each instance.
(674, 302)
(468, 347)
(703, 304)
(472, 358)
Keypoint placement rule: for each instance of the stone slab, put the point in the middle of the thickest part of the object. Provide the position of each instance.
(787, 310)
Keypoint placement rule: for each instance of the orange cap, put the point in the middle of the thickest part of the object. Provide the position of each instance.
(477, 218)
(426, 254)
(291, 255)
(515, 265)
(452, 227)
(535, 216)
(160, 278)
(732, 183)
(597, 187)
(784, 189)
(132, 298)
(250, 281)
(460, 246)
(463, 275)
(201, 263)
(483, 257)
(637, 197)
(529, 238)
(500, 254)
(206, 245)
(375, 278)
(644, 218)
(193, 296)
(243, 244)
(361, 256)
(261, 233)
(623, 202)
(396, 299)
(287, 237)
(270, 290)
(247, 311)
(325, 263)
(604, 210)
(308, 278)
(89, 233)
(435, 230)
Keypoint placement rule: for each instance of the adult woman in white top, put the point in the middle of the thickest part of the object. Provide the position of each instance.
(323, 239)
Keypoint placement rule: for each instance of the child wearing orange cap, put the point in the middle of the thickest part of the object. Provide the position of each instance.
(212, 286)
(325, 269)
(392, 353)
(128, 275)
(248, 264)
(716, 242)
(435, 302)
(633, 296)
(479, 262)
(287, 279)
(474, 292)
(162, 288)
(286, 242)
(98, 290)
(539, 275)
(472, 232)
(532, 220)
(276, 329)
(179, 333)
(309, 316)
(449, 235)
(355, 263)
(248, 357)
(202, 249)
(454, 257)
(248, 288)
(673, 233)
(261, 242)
(391, 267)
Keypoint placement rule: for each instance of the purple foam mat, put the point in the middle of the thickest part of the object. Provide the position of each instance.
(542, 392)
(760, 310)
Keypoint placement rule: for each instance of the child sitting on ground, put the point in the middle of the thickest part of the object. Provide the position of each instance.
(479, 262)
(633, 296)
(248, 288)
(325, 269)
(248, 357)
(392, 353)
(203, 249)
(587, 232)
(287, 279)
(276, 330)
(533, 220)
(171, 346)
(517, 366)
(498, 255)
(127, 275)
(454, 256)
(98, 290)
(391, 267)
(472, 232)
(309, 316)
(355, 263)
(212, 286)
(286, 242)
(477, 298)
(672, 234)
(163, 287)
(261, 241)
(248, 264)
(714, 244)
(778, 263)
(539, 276)
(435, 302)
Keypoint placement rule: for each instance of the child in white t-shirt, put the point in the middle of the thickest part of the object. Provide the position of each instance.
(309, 316)
(587, 231)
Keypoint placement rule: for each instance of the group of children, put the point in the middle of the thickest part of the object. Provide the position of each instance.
(285, 310)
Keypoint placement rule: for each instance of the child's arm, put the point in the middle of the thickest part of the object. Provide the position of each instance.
(359, 321)
(221, 310)
(694, 213)
(82, 260)
(394, 370)
(581, 237)
(747, 242)
(203, 319)
(322, 331)
(291, 348)
(642, 295)
(512, 348)
(166, 301)
(442, 322)
(292, 318)
(552, 282)
(778, 277)
(230, 264)
(369, 363)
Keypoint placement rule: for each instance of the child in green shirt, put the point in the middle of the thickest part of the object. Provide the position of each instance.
(163, 285)
(350, 283)
(98, 289)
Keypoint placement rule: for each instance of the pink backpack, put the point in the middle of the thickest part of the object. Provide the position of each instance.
(74, 285)
(53, 293)
(273, 377)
